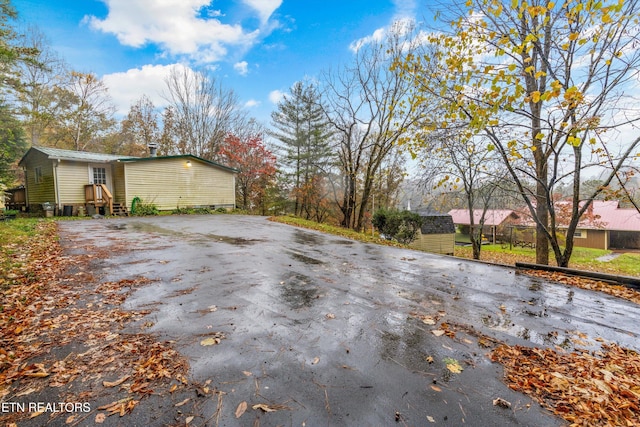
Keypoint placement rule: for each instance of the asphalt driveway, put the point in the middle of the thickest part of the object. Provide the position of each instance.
(331, 331)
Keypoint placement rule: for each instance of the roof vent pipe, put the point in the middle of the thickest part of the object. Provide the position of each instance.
(153, 149)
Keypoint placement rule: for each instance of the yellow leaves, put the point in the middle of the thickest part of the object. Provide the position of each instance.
(536, 10)
(535, 96)
(573, 97)
(574, 36)
(453, 365)
(539, 74)
(574, 140)
(512, 67)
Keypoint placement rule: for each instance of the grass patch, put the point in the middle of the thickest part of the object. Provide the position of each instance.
(17, 237)
(338, 231)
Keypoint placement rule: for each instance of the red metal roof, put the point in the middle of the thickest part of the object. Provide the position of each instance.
(491, 217)
(603, 215)
(612, 217)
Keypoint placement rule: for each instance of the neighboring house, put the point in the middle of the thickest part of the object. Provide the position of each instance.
(437, 233)
(604, 226)
(71, 180)
(607, 226)
(496, 221)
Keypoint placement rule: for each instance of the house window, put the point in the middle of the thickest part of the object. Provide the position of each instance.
(580, 234)
(99, 175)
(38, 175)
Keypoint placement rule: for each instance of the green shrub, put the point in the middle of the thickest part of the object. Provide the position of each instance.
(401, 226)
(146, 209)
(182, 211)
(221, 210)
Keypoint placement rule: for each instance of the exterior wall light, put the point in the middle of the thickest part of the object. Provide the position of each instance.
(188, 163)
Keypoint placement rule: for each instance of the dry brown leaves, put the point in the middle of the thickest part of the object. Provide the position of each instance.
(59, 302)
(599, 389)
(584, 283)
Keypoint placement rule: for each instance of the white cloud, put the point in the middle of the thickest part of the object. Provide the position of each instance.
(252, 103)
(275, 96)
(405, 9)
(402, 21)
(377, 36)
(241, 68)
(127, 87)
(177, 26)
(265, 8)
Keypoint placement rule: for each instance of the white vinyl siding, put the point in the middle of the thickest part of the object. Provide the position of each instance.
(171, 183)
(72, 177)
(44, 190)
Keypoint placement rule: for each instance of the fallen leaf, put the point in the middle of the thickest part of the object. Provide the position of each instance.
(430, 419)
(428, 320)
(263, 407)
(115, 383)
(453, 365)
(242, 407)
(183, 402)
(100, 417)
(210, 341)
(330, 316)
(26, 392)
(437, 332)
(436, 388)
(247, 373)
(70, 419)
(315, 360)
(189, 419)
(501, 402)
(429, 359)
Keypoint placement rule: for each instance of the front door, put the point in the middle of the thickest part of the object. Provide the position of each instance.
(100, 174)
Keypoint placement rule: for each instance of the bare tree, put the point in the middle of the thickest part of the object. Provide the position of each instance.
(360, 103)
(36, 104)
(202, 112)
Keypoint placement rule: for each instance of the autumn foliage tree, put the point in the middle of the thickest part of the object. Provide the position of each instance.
(549, 85)
(257, 169)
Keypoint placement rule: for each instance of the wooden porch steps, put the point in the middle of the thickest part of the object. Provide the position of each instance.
(120, 210)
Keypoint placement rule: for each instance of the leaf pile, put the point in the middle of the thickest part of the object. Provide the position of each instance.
(599, 389)
(53, 305)
(590, 284)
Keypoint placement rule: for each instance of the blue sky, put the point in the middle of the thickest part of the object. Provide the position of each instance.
(258, 48)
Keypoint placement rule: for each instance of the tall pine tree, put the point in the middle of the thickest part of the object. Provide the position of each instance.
(305, 135)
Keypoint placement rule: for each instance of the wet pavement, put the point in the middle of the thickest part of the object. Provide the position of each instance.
(331, 329)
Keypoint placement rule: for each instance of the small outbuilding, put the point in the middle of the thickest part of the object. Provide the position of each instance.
(69, 180)
(437, 233)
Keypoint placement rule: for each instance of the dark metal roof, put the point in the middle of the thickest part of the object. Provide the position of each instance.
(179, 156)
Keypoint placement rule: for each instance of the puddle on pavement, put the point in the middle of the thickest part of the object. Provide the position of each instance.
(503, 322)
(239, 241)
(341, 242)
(298, 292)
(306, 238)
(304, 259)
